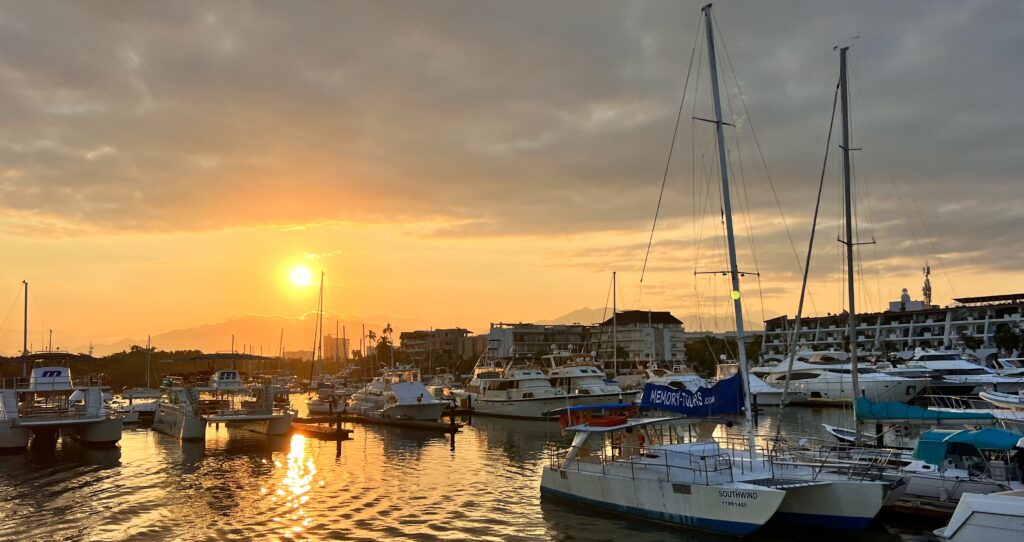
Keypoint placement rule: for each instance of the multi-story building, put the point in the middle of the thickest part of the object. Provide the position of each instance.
(454, 344)
(536, 340)
(913, 324)
(336, 348)
(641, 336)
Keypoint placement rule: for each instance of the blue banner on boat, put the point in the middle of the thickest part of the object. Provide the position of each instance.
(725, 397)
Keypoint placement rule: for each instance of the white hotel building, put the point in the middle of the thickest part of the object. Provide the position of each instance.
(905, 326)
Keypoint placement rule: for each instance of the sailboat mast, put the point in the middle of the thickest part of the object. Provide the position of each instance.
(730, 237)
(615, 326)
(847, 191)
(24, 347)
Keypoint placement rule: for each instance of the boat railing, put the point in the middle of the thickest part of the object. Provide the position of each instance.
(56, 412)
(955, 402)
(856, 462)
(18, 383)
(658, 464)
(91, 381)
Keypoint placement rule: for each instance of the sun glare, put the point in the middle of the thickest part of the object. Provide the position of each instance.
(301, 276)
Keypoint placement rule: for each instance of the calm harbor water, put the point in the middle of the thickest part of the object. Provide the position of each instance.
(385, 484)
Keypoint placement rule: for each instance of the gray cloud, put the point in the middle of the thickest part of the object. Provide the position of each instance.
(500, 118)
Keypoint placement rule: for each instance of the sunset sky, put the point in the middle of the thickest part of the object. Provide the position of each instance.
(168, 165)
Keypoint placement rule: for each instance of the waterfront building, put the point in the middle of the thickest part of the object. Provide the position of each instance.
(642, 336)
(454, 344)
(536, 340)
(906, 326)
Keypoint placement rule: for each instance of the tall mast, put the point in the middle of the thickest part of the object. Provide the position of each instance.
(149, 352)
(727, 204)
(852, 322)
(24, 347)
(615, 327)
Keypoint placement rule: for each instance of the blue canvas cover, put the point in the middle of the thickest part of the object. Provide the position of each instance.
(932, 446)
(868, 411)
(725, 397)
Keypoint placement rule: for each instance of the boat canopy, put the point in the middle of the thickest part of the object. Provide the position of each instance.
(868, 411)
(933, 445)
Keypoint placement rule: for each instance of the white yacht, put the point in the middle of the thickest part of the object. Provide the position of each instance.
(635, 467)
(138, 404)
(51, 403)
(184, 411)
(952, 374)
(331, 396)
(986, 518)
(818, 383)
(398, 393)
(576, 374)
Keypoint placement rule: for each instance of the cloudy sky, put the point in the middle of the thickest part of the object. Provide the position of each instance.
(165, 165)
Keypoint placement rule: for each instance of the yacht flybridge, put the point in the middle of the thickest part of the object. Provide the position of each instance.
(577, 374)
(185, 410)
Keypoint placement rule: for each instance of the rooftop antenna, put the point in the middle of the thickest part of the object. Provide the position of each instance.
(927, 288)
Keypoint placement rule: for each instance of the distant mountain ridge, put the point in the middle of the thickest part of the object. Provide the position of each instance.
(258, 334)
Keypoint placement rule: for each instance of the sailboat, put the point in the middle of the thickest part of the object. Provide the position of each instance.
(645, 467)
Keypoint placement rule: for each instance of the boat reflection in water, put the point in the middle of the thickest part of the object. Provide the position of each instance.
(291, 496)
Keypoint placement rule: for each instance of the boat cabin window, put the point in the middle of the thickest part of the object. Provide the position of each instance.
(797, 376)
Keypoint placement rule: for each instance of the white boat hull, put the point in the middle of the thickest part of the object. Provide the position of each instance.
(533, 408)
(103, 433)
(420, 411)
(840, 390)
(986, 518)
(171, 421)
(848, 505)
(735, 509)
(11, 436)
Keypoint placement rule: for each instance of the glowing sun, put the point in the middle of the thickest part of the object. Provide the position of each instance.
(301, 276)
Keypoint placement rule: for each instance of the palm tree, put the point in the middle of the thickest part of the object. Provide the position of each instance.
(371, 335)
(387, 331)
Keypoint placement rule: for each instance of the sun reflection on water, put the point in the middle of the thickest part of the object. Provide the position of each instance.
(292, 493)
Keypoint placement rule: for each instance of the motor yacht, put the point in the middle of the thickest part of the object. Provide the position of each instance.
(830, 383)
(398, 393)
(577, 374)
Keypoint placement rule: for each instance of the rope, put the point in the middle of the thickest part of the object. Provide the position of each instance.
(671, 148)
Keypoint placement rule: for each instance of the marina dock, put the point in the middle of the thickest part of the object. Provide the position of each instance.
(440, 427)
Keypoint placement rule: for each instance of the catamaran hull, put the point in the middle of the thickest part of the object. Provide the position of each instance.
(737, 509)
(104, 433)
(12, 437)
(173, 423)
(834, 505)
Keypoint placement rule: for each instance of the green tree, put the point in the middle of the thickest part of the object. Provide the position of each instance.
(1007, 338)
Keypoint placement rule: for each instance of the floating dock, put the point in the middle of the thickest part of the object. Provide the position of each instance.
(439, 427)
(322, 432)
